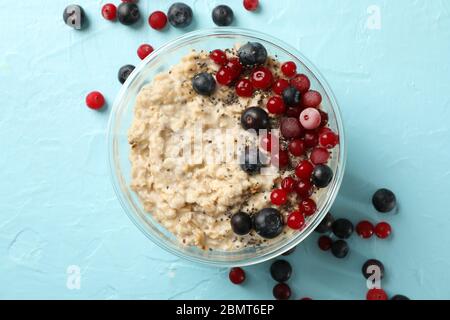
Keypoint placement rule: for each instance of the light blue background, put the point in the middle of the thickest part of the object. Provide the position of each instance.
(57, 205)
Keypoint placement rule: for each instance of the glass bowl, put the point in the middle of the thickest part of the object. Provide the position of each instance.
(122, 114)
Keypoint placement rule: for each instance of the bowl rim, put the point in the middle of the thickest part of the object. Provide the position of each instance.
(117, 180)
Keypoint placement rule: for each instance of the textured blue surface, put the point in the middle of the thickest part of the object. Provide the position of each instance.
(57, 207)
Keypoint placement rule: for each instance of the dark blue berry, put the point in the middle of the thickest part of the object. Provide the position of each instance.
(281, 270)
(326, 224)
(322, 176)
(399, 297)
(128, 13)
(268, 223)
(255, 118)
(291, 96)
(251, 161)
(204, 83)
(384, 200)
(180, 15)
(252, 53)
(74, 16)
(125, 72)
(241, 223)
(222, 15)
(342, 228)
(339, 249)
(372, 262)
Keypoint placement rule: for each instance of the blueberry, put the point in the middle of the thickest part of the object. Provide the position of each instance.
(125, 72)
(252, 53)
(384, 200)
(204, 83)
(74, 16)
(342, 228)
(268, 223)
(128, 13)
(322, 176)
(372, 262)
(251, 161)
(399, 297)
(222, 15)
(339, 249)
(281, 270)
(255, 118)
(289, 252)
(291, 96)
(326, 224)
(241, 223)
(180, 15)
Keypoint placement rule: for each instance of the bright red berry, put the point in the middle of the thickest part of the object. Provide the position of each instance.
(301, 83)
(364, 229)
(311, 139)
(251, 5)
(288, 184)
(319, 155)
(328, 139)
(144, 50)
(280, 85)
(157, 20)
(304, 189)
(235, 67)
(278, 197)
(280, 159)
(275, 105)
(95, 100)
(311, 99)
(325, 243)
(383, 230)
(289, 69)
(376, 294)
(219, 57)
(266, 141)
(244, 88)
(109, 11)
(237, 275)
(308, 207)
(297, 147)
(261, 78)
(224, 76)
(304, 170)
(296, 220)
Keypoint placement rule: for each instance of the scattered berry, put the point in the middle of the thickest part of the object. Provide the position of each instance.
(281, 270)
(74, 16)
(290, 128)
(301, 83)
(296, 220)
(376, 294)
(266, 142)
(291, 96)
(255, 118)
(124, 73)
(278, 197)
(280, 159)
(293, 112)
(144, 50)
(326, 224)
(325, 243)
(224, 76)
(364, 229)
(289, 69)
(157, 20)
(372, 263)
(261, 78)
(235, 67)
(275, 105)
(297, 147)
(304, 189)
(251, 5)
(219, 57)
(319, 156)
(268, 223)
(304, 170)
(279, 86)
(310, 118)
(311, 99)
(282, 291)
(252, 53)
(128, 13)
(383, 230)
(222, 15)
(241, 223)
(384, 200)
(340, 249)
(204, 84)
(109, 11)
(322, 176)
(237, 275)
(311, 139)
(180, 15)
(244, 88)
(288, 184)
(308, 207)
(342, 228)
(95, 100)
(328, 139)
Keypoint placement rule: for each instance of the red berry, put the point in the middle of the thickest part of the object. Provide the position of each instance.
(280, 159)
(288, 184)
(301, 83)
(280, 85)
(244, 88)
(266, 141)
(237, 275)
(235, 67)
(328, 139)
(308, 207)
(383, 230)
(311, 99)
(289, 69)
(319, 155)
(157, 20)
(297, 147)
(261, 78)
(311, 139)
(291, 128)
(293, 112)
(281, 291)
(296, 220)
(219, 57)
(275, 105)
(304, 170)
(251, 5)
(278, 197)
(364, 229)
(325, 243)
(109, 11)
(324, 117)
(144, 50)
(304, 189)
(224, 76)
(376, 294)
(95, 100)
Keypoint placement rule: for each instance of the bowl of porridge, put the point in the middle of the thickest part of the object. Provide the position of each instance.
(226, 147)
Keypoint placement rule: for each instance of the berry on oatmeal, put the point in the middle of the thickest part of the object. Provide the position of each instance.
(204, 83)
(268, 223)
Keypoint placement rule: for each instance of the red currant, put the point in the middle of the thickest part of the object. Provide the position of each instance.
(275, 105)
(304, 170)
(219, 57)
(288, 184)
(289, 69)
(235, 66)
(297, 147)
(376, 294)
(109, 11)
(281, 291)
(157, 20)
(224, 76)
(278, 197)
(296, 220)
(328, 139)
(95, 100)
(383, 230)
(325, 243)
(308, 207)
(280, 159)
(266, 141)
(237, 275)
(251, 5)
(144, 50)
(280, 85)
(311, 139)
(364, 229)
(261, 78)
(319, 155)
(304, 189)
(244, 88)
(311, 99)
(301, 83)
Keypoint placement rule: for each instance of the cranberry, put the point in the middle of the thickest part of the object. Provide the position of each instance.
(282, 291)
(280, 85)
(304, 189)
(266, 141)
(325, 243)
(109, 11)
(280, 159)
(95, 100)
(293, 112)
(237, 275)
(297, 147)
(324, 118)
(364, 229)
(244, 88)
(144, 50)
(224, 76)
(301, 83)
(288, 184)
(311, 99)
(219, 57)
(278, 197)
(289, 69)
(251, 5)
(235, 66)
(296, 220)
(308, 207)
(291, 128)
(310, 118)
(261, 78)
(311, 139)
(328, 139)
(383, 230)
(319, 155)
(275, 105)
(157, 20)
(304, 170)
(376, 294)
